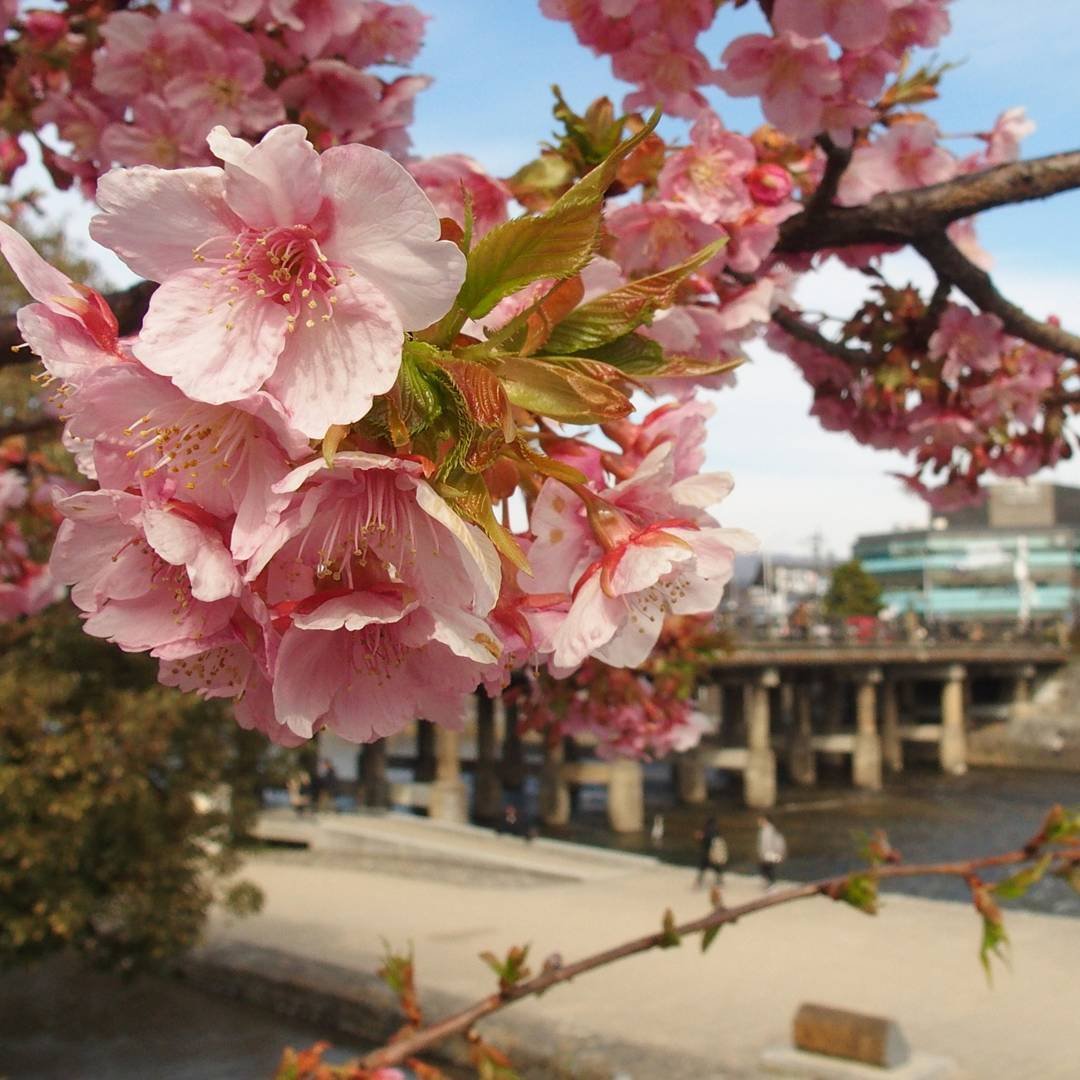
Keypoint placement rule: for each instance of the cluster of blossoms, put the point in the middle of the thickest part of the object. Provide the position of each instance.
(27, 520)
(638, 713)
(129, 85)
(804, 87)
(338, 586)
(970, 400)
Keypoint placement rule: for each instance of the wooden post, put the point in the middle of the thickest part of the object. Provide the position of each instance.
(759, 781)
(554, 792)
(513, 752)
(487, 788)
(953, 735)
(374, 786)
(448, 795)
(801, 761)
(424, 767)
(866, 762)
(892, 747)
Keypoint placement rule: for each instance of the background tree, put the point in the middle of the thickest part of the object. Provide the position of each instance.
(852, 591)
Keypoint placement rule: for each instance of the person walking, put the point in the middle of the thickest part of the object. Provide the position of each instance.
(712, 852)
(771, 849)
(656, 834)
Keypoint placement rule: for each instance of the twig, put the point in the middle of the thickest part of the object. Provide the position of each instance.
(791, 324)
(398, 1052)
(837, 159)
(951, 264)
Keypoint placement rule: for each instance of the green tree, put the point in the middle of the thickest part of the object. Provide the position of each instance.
(852, 591)
(116, 821)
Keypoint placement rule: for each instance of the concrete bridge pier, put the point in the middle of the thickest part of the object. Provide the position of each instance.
(554, 796)
(626, 796)
(802, 764)
(866, 759)
(759, 780)
(487, 787)
(892, 751)
(953, 749)
(449, 798)
(691, 783)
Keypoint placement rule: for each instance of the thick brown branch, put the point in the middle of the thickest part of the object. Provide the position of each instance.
(951, 264)
(403, 1049)
(791, 324)
(837, 160)
(903, 216)
(129, 306)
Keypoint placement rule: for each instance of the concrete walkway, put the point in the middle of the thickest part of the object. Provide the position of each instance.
(916, 962)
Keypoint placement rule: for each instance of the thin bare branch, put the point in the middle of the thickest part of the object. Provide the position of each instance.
(837, 160)
(951, 264)
(791, 324)
(397, 1052)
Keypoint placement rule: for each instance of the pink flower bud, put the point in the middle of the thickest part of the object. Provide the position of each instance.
(45, 27)
(769, 185)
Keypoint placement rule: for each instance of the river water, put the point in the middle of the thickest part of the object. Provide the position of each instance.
(929, 817)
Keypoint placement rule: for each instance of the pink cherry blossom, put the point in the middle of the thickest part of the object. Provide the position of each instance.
(385, 589)
(310, 24)
(386, 34)
(654, 235)
(284, 270)
(594, 28)
(668, 74)
(338, 97)
(446, 178)
(225, 459)
(792, 75)
(156, 134)
(143, 51)
(146, 577)
(906, 156)
(964, 339)
(853, 24)
(71, 327)
(916, 23)
(1009, 130)
(645, 551)
(709, 176)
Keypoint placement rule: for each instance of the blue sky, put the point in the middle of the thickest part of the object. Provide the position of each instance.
(494, 61)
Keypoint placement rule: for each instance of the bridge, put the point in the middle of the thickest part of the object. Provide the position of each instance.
(778, 712)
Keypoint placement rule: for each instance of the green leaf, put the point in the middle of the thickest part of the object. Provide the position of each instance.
(709, 937)
(1070, 875)
(468, 494)
(1016, 885)
(995, 942)
(556, 244)
(561, 393)
(861, 892)
(634, 353)
(669, 936)
(616, 313)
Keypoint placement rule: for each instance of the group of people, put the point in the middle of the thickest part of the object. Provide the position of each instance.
(713, 851)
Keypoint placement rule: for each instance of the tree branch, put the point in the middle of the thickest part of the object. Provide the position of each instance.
(129, 306)
(791, 324)
(901, 217)
(28, 427)
(837, 159)
(397, 1052)
(951, 264)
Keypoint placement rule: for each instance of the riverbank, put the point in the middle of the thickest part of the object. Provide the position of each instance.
(663, 1015)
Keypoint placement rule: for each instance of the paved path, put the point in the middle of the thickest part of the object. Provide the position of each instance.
(916, 962)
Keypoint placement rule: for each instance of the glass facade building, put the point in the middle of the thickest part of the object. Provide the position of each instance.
(1014, 558)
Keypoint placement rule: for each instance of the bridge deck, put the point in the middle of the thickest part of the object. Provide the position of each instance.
(804, 655)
